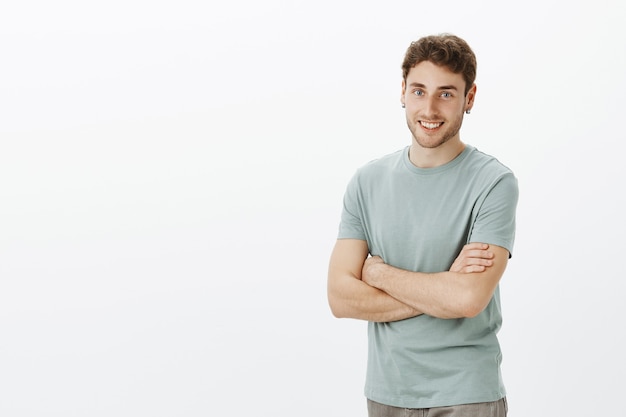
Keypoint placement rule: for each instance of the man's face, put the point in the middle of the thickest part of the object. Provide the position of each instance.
(435, 100)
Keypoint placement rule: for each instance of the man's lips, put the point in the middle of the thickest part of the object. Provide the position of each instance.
(430, 125)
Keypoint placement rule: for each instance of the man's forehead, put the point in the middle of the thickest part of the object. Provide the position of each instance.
(427, 74)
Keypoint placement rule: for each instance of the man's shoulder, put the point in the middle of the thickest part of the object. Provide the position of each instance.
(377, 171)
(382, 163)
(481, 161)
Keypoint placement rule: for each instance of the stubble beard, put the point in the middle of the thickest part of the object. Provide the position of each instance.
(431, 142)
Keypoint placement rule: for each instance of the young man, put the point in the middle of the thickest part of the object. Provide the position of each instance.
(425, 236)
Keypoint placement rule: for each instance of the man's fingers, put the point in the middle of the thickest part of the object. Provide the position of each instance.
(476, 268)
(475, 253)
(474, 257)
(472, 268)
(478, 261)
(476, 245)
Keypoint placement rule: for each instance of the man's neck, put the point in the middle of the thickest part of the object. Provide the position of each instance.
(434, 157)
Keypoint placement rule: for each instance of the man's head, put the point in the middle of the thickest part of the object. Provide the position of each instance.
(437, 88)
(444, 50)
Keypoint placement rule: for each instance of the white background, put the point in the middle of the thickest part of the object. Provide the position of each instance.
(171, 176)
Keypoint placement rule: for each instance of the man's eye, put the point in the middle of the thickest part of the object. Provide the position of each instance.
(418, 92)
(446, 95)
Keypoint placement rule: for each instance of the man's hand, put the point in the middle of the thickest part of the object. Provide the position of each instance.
(371, 270)
(474, 257)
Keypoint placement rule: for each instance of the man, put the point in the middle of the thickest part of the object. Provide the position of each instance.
(425, 236)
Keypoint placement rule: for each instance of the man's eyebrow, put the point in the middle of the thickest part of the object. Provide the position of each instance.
(443, 87)
(447, 87)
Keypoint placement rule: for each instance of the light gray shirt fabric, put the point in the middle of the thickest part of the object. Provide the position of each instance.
(418, 219)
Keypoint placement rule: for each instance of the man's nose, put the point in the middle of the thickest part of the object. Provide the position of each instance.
(430, 107)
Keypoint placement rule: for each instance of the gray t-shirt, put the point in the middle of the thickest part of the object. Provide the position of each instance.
(418, 219)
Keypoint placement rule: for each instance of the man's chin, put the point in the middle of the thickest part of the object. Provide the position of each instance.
(430, 143)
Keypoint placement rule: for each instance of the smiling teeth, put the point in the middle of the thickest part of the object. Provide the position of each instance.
(430, 125)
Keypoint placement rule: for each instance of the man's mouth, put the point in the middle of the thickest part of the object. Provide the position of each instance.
(430, 125)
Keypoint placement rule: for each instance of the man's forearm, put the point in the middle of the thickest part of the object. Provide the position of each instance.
(350, 297)
(438, 295)
(444, 294)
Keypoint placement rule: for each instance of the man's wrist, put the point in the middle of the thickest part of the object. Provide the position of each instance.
(378, 274)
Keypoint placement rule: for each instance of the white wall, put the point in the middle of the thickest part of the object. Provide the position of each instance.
(171, 176)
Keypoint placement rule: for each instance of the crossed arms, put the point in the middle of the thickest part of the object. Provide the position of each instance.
(366, 288)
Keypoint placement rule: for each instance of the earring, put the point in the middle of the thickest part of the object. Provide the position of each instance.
(467, 111)
(403, 106)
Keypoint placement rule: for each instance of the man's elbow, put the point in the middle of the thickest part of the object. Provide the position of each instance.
(471, 311)
(473, 304)
(334, 309)
(338, 313)
(337, 308)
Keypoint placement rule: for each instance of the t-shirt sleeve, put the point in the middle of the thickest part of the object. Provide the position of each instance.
(351, 225)
(495, 221)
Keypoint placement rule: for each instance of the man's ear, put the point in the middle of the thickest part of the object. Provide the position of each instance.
(403, 92)
(469, 98)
